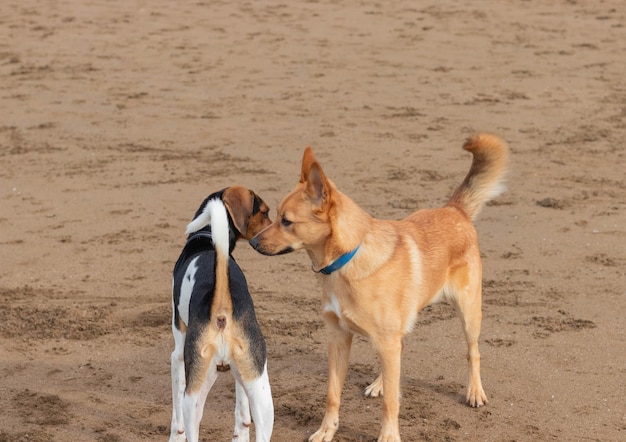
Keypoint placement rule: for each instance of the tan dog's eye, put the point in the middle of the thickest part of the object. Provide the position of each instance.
(285, 222)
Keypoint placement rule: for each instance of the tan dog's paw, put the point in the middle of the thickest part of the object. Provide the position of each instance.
(375, 389)
(476, 396)
(389, 434)
(388, 439)
(326, 431)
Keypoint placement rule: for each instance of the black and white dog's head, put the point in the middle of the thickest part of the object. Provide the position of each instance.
(247, 215)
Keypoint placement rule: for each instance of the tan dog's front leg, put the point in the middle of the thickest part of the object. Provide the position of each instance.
(390, 352)
(339, 343)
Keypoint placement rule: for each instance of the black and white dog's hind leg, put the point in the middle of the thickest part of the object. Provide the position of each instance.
(179, 422)
(178, 385)
(253, 398)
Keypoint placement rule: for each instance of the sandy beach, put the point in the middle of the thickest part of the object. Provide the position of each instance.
(118, 118)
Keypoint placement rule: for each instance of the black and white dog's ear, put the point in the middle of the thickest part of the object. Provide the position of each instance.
(240, 203)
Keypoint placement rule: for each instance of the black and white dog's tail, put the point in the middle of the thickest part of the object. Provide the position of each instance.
(216, 215)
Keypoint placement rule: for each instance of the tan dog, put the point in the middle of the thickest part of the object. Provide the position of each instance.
(378, 274)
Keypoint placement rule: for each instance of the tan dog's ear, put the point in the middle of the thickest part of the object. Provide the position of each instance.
(239, 203)
(317, 186)
(307, 160)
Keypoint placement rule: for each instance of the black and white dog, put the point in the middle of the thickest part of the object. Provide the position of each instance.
(214, 324)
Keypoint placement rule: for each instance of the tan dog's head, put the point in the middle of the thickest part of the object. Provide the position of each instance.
(303, 219)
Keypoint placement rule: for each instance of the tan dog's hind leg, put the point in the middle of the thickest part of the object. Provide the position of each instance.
(375, 389)
(468, 307)
(476, 396)
(339, 343)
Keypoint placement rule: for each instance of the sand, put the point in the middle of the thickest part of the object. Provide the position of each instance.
(118, 117)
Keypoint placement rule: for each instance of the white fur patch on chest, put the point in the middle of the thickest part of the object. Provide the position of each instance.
(332, 306)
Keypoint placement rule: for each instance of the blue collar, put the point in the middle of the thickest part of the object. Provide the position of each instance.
(339, 262)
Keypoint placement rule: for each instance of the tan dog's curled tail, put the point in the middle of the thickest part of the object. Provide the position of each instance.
(485, 180)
